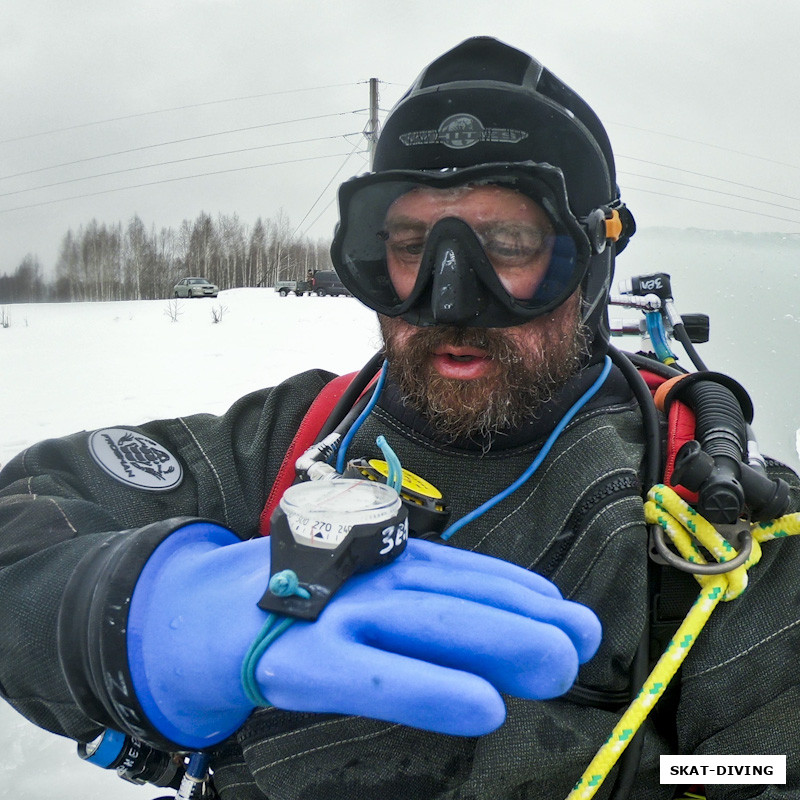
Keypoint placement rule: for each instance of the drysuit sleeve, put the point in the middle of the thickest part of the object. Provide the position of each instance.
(66, 520)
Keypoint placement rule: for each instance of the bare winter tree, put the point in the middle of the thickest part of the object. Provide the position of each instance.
(25, 285)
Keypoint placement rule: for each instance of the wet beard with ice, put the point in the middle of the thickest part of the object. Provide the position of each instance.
(529, 363)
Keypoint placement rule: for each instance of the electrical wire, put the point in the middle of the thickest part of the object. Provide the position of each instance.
(705, 144)
(169, 180)
(325, 189)
(706, 175)
(330, 202)
(174, 108)
(708, 189)
(182, 141)
(709, 203)
(182, 161)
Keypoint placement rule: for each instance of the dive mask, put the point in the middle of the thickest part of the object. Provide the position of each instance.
(457, 271)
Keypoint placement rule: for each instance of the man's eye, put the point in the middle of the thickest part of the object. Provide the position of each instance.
(407, 248)
(509, 249)
(516, 247)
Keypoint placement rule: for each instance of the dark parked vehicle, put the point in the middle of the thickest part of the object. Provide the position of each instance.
(326, 282)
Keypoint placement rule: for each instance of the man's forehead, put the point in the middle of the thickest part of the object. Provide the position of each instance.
(486, 199)
(423, 195)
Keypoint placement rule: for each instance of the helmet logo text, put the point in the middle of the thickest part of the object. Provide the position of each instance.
(460, 131)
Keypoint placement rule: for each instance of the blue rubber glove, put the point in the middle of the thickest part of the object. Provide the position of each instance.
(428, 641)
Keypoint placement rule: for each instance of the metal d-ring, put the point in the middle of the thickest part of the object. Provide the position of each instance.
(745, 542)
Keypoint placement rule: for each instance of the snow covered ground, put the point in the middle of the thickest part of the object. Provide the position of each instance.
(65, 367)
(82, 366)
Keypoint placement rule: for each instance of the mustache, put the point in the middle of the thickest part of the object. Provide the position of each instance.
(493, 341)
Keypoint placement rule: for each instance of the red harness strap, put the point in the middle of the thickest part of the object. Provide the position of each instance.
(680, 429)
(311, 425)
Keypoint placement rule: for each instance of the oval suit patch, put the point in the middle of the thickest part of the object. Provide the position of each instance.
(135, 460)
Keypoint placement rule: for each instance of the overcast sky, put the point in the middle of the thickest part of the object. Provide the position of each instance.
(166, 108)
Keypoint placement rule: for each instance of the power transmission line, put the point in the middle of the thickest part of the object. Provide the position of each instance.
(168, 180)
(712, 191)
(325, 189)
(178, 161)
(711, 177)
(706, 144)
(182, 141)
(174, 108)
(715, 205)
(330, 202)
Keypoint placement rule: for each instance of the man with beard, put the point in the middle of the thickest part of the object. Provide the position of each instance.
(469, 381)
(490, 655)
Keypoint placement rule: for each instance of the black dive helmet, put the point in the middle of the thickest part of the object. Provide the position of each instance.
(487, 114)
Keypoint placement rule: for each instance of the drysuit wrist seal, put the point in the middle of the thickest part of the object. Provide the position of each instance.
(92, 626)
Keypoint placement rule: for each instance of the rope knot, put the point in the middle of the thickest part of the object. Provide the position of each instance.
(286, 583)
(686, 528)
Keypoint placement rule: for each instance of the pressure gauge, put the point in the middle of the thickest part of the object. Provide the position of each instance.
(324, 531)
(322, 513)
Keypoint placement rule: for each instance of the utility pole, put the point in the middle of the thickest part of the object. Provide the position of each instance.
(373, 126)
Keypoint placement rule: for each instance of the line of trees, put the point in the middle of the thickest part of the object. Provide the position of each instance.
(130, 262)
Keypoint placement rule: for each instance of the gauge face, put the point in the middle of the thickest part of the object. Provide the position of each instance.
(322, 513)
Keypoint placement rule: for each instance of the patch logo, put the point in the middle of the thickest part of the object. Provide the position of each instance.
(135, 460)
(460, 131)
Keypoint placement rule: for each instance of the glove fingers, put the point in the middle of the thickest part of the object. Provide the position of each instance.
(359, 680)
(518, 655)
(578, 622)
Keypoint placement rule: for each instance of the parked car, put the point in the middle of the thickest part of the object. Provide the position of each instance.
(326, 282)
(195, 287)
(289, 287)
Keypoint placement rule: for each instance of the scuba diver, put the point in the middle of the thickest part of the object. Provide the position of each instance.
(456, 598)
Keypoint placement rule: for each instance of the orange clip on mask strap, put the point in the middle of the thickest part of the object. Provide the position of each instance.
(613, 226)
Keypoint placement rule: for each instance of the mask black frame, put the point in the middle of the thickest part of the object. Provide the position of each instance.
(359, 256)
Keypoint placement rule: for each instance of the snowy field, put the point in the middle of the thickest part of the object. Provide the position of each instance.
(82, 366)
(66, 367)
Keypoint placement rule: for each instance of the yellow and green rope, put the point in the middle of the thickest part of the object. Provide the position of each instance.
(683, 525)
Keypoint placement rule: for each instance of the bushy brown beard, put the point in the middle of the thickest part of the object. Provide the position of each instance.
(522, 381)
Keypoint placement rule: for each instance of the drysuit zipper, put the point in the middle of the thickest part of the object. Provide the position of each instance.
(620, 486)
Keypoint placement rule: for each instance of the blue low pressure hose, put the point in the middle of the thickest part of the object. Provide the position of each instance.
(341, 458)
(557, 431)
(658, 337)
